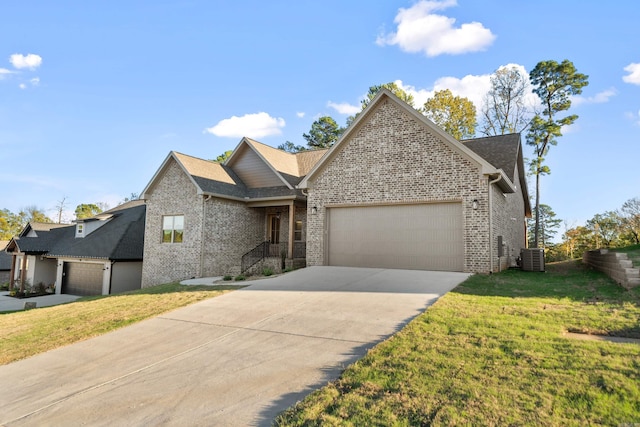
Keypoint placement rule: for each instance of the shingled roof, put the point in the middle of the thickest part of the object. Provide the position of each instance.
(220, 180)
(120, 238)
(5, 258)
(503, 152)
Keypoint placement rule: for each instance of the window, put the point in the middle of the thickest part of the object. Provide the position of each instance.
(297, 232)
(172, 228)
(80, 228)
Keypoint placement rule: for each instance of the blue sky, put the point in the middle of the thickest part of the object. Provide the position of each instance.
(94, 95)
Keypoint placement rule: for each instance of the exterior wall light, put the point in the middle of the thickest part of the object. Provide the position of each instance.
(314, 210)
(475, 204)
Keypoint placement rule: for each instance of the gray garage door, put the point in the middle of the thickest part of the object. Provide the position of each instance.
(416, 237)
(81, 278)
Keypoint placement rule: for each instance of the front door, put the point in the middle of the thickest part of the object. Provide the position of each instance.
(274, 228)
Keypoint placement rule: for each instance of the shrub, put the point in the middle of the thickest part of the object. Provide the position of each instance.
(239, 278)
(4, 286)
(227, 277)
(267, 271)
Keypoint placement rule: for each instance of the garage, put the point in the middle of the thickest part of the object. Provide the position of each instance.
(82, 278)
(424, 236)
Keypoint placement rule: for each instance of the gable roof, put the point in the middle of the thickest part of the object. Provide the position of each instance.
(383, 95)
(120, 239)
(289, 167)
(504, 152)
(220, 180)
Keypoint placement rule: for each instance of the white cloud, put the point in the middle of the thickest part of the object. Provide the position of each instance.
(22, 86)
(300, 114)
(473, 87)
(635, 118)
(251, 125)
(421, 30)
(599, 98)
(634, 74)
(35, 81)
(344, 107)
(30, 61)
(4, 73)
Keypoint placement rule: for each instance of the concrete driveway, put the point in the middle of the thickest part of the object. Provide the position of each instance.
(238, 359)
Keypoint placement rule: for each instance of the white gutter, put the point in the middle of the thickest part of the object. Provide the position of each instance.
(204, 204)
(491, 223)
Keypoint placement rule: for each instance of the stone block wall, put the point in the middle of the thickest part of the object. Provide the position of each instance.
(615, 265)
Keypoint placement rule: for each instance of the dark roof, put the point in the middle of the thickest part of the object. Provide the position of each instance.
(121, 238)
(501, 151)
(5, 257)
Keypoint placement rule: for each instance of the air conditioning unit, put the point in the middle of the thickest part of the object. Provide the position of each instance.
(532, 259)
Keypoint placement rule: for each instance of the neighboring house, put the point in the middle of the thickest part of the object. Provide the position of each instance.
(100, 255)
(207, 219)
(5, 263)
(395, 191)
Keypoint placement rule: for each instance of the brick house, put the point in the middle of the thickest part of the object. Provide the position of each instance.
(207, 219)
(395, 191)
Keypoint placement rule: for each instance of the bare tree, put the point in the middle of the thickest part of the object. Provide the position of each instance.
(60, 208)
(504, 110)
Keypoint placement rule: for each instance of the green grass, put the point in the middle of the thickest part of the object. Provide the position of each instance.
(26, 333)
(492, 352)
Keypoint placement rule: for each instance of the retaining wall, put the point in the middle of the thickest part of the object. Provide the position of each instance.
(616, 265)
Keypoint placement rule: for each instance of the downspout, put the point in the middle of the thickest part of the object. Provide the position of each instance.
(204, 201)
(491, 223)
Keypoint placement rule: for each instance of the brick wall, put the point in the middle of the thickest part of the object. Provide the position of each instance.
(392, 157)
(507, 212)
(231, 230)
(172, 194)
(616, 265)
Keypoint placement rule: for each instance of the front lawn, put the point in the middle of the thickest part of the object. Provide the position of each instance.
(26, 333)
(492, 352)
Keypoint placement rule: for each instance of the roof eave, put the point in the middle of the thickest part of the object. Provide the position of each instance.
(172, 155)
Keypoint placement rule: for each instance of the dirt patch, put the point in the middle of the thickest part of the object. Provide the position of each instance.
(608, 338)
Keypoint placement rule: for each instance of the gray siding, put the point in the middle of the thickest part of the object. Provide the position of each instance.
(253, 171)
(125, 276)
(45, 271)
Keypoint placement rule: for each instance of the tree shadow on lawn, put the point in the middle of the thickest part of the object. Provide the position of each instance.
(569, 279)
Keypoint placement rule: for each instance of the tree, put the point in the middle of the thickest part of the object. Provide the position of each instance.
(578, 240)
(629, 215)
(290, 147)
(454, 114)
(548, 221)
(394, 88)
(60, 208)
(554, 84)
(323, 134)
(224, 156)
(87, 210)
(10, 224)
(33, 214)
(605, 228)
(373, 91)
(504, 110)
